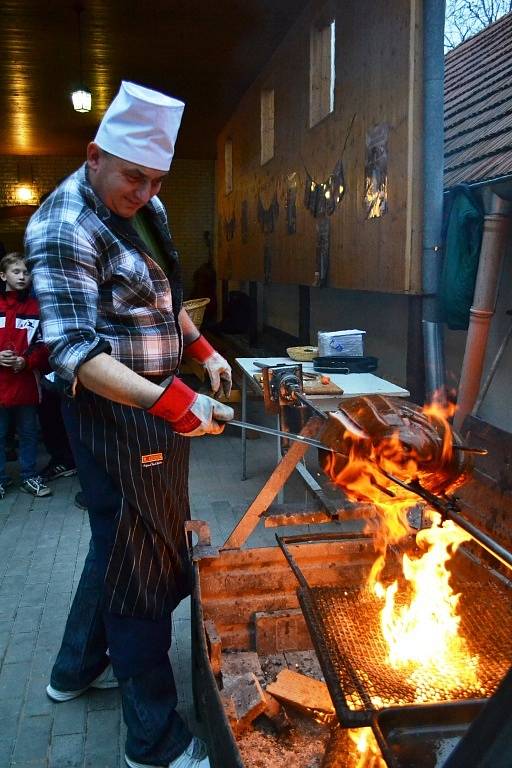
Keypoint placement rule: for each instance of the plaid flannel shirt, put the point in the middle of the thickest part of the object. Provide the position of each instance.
(97, 288)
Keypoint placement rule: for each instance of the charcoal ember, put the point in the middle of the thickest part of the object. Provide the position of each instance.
(396, 435)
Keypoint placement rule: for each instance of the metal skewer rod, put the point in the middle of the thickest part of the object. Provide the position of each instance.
(448, 509)
(279, 433)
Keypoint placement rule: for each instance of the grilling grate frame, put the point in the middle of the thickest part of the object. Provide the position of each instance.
(345, 629)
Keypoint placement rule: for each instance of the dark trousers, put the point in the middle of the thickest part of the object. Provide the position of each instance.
(25, 417)
(53, 430)
(138, 648)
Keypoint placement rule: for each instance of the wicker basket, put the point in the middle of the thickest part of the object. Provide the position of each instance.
(195, 310)
(302, 354)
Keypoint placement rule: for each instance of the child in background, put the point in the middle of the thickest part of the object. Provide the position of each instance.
(22, 357)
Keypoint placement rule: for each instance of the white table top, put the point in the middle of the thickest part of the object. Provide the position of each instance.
(352, 384)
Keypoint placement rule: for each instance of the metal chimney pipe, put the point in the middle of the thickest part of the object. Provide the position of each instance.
(497, 226)
(433, 169)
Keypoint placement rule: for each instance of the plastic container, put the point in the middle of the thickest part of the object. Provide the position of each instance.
(347, 343)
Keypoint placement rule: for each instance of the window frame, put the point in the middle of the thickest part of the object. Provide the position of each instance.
(322, 70)
(267, 125)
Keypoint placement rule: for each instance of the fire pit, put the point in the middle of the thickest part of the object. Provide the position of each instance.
(344, 622)
(354, 589)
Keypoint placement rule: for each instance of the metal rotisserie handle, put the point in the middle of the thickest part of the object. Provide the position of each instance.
(280, 433)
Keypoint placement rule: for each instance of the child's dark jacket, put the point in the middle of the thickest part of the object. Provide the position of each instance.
(20, 332)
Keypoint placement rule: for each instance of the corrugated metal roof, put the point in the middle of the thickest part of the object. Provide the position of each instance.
(478, 106)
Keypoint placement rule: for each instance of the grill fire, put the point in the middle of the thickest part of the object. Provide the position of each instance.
(365, 748)
(425, 631)
(422, 629)
(419, 618)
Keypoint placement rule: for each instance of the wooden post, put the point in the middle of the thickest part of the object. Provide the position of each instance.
(224, 298)
(253, 319)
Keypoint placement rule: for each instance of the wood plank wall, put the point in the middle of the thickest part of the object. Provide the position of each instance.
(378, 79)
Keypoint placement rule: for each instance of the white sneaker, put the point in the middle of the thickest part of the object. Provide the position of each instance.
(35, 486)
(195, 756)
(105, 680)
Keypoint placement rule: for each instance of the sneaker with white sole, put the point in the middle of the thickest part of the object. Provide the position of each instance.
(105, 680)
(195, 756)
(53, 471)
(35, 486)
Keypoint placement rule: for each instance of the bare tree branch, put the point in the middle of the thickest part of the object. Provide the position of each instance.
(464, 18)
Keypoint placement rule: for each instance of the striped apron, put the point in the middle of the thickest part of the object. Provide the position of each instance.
(148, 571)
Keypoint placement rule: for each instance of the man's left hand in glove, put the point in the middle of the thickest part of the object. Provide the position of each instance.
(217, 368)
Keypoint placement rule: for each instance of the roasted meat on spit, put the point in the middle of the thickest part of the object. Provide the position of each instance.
(397, 436)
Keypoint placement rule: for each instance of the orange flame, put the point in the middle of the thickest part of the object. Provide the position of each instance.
(366, 750)
(419, 620)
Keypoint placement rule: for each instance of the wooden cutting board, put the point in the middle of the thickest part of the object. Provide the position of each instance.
(313, 386)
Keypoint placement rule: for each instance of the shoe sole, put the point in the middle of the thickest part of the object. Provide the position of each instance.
(59, 696)
(102, 685)
(132, 764)
(36, 495)
(67, 473)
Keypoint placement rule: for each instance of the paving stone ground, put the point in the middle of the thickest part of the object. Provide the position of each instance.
(43, 543)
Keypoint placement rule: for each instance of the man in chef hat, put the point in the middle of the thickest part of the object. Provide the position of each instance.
(106, 273)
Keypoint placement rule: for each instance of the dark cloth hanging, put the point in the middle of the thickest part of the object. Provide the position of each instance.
(229, 228)
(267, 217)
(291, 210)
(464, 220)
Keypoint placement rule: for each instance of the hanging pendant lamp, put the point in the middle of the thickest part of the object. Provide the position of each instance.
(81, 98)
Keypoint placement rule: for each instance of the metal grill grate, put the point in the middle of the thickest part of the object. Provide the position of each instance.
(345, 628)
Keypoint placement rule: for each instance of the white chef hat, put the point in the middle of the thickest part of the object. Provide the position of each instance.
(141, 126)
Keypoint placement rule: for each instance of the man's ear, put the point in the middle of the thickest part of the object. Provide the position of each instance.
(93, 155)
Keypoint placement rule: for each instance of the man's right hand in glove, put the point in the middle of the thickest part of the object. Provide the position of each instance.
(189, 413)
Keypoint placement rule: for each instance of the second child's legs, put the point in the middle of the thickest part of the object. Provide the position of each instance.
(4, 428)
(54, 433)
(27, 427)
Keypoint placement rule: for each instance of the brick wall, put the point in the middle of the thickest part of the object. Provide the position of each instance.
(188, 194)
(46, 171)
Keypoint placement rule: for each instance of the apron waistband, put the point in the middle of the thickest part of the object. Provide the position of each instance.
(157, 379)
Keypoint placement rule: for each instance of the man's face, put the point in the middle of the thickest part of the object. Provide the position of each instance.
(124, 187)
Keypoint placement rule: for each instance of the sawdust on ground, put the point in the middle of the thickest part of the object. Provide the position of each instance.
(303, 746)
